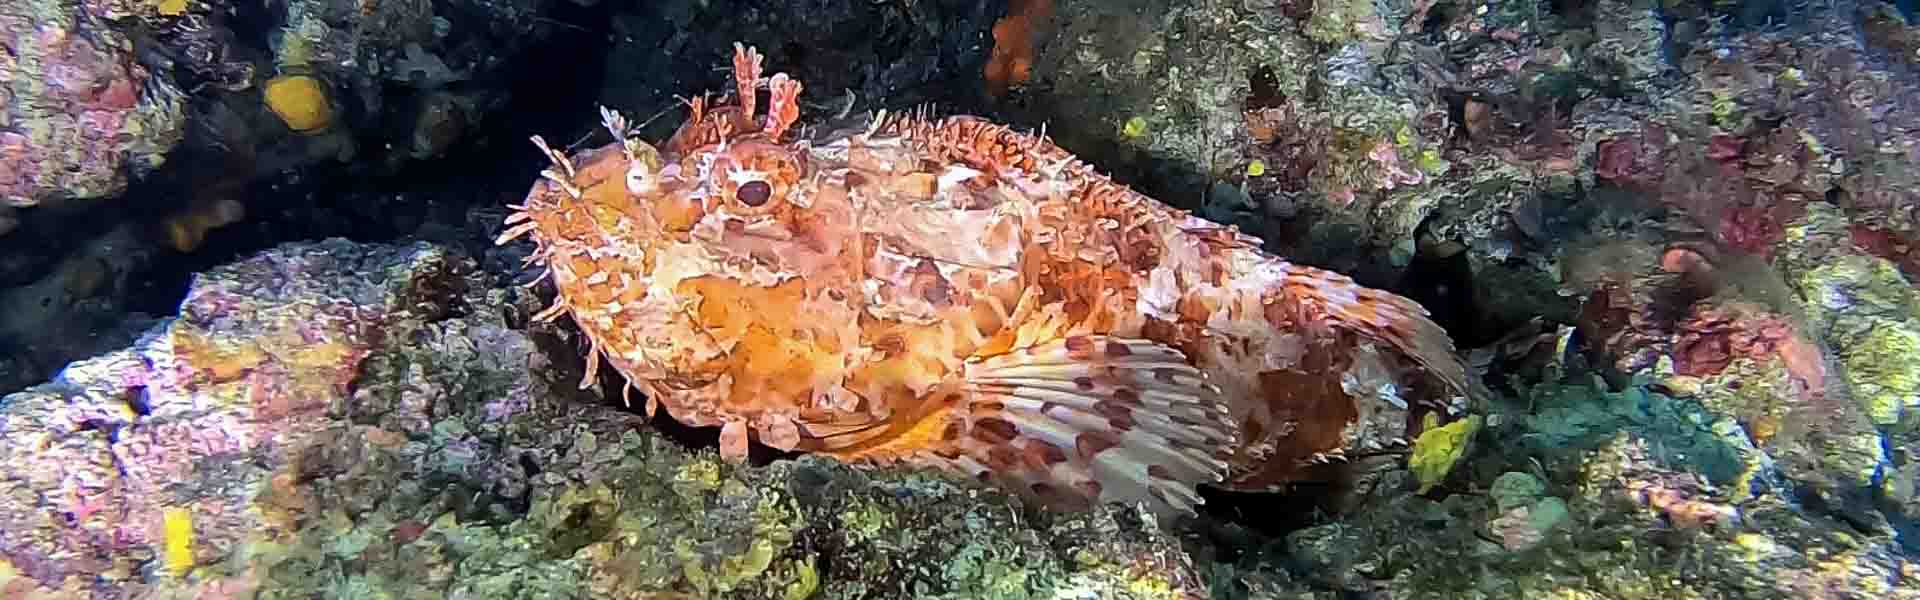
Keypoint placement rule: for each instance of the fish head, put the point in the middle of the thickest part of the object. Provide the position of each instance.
(733, 276)
(748, 208)
(720, 270)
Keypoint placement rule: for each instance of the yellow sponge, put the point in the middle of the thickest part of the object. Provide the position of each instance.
(178, 551)
(300, 100)
(1438, 448)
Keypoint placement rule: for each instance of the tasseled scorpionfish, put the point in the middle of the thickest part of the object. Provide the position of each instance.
(952, 293)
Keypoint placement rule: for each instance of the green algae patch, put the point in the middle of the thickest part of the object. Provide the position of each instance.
(806, 581)
(730, 571)
(1439, 448)
(1335, 22)
(1883, 368)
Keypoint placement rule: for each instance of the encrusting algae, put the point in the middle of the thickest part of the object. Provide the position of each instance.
(952, 293)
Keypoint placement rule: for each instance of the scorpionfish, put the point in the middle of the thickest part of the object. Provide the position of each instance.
(951, 293)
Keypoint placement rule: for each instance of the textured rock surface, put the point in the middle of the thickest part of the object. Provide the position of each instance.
(79, 116)
(1718, 195)
(200, 414)
(1594, 494)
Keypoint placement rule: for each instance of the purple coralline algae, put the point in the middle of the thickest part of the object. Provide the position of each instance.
(78, 116)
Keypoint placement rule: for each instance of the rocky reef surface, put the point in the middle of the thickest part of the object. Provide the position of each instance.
(1677, 239)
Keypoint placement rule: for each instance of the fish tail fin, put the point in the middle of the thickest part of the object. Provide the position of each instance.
(1088, 420)
(1384, 317)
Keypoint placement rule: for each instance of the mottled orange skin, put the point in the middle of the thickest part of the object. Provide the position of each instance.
(837, 310)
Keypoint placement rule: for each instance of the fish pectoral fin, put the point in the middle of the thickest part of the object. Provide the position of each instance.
(1089, 419)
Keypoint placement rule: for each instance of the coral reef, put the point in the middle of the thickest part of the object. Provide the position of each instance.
(1387, 131)
(200, 413)
(1293, 87)
(173, 120)
(1682, 237)
(79, 116)
(1719, 197)
(1595, 493)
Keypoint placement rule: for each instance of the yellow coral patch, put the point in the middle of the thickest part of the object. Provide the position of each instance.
(321, 356)
(806, 581)
(219, 363)
(178, 551)
(300, 101)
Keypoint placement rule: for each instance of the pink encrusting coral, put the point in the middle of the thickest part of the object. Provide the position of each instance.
(1634, 161)
(193, 414)
(99, 117)
(1888, 244)
(1712, 336)
(1751, 228)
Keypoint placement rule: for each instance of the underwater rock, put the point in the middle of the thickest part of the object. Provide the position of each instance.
(1722, 194)
(1725, 332)
(1606, 500)
(199, 415)
(1296, 108)
(420, 65)
(335, 419)
(79, 118)
(96, 94)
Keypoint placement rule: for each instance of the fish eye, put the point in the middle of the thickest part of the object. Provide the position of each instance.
(754, 193)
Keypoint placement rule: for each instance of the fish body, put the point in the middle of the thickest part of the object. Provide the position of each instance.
(949, 292)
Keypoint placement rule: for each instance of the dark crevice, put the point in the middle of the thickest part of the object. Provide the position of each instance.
(1271, 514)
(490, 162)
(1578, 13)
(1438, 16)
(1445, 286)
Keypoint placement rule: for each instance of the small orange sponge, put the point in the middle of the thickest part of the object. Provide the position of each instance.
(1011, 63)
(300, 100)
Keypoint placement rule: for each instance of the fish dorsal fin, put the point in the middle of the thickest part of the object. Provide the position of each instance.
(1088, 419)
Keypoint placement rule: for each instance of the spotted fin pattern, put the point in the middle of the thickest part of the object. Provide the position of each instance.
(1091, 419)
